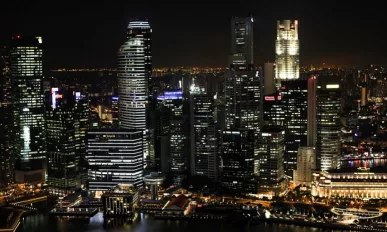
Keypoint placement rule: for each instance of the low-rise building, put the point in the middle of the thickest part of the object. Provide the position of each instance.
(120, 201)
(351, 183)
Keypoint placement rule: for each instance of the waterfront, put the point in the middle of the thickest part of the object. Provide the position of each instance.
(42, 223)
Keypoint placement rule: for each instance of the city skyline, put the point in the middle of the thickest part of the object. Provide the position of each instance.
(331, 33)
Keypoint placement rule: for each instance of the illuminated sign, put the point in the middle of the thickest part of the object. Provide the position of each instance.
(333, 86)
(171, 95)
(54, 97)
(269, 98)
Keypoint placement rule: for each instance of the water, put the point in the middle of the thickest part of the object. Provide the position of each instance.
(43, 223)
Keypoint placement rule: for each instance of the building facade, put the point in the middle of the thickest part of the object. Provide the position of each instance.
(328, 122)
(205, 159)
(351, 183)
(238, 161)
(114, 157)
(287, 50)
(306, 164)
(134, 73)
(26, 69)
(271, 160)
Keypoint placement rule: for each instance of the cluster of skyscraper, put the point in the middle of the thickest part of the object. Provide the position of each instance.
(269, 115)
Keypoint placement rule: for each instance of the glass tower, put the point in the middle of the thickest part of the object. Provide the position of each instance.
(26, 68)
(287, 51)
(206, 134)
(134, 74)
(328, 105)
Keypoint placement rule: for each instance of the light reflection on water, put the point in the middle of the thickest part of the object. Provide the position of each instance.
(43, 223)
(365, 163)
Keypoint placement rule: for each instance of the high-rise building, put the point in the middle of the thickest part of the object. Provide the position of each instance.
(328, 122)
(294, 98)
(114, 157)
(238, 161)
(271, 160)
(269, 79)
(306, 164)
(178, 158)
(287, 51)
(26, 68)
(205, 159)
(274, 110)
(242, 81)
(6, 158)
(312, 125)
(63, 158)
(134, 75)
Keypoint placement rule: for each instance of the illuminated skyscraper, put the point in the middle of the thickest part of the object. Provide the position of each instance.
(242, 81)
(294, 98)
(238, 162)
(6, 158)
(271, 160)
(134, 74)
(114, 157)
(178, 155)
(63, 159)
(328, 122)
(206, 133)
(26, 67)
(287, 51)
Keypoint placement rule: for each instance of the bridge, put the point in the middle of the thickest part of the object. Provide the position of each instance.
(29, 200)
(363, 158)
(361, 213)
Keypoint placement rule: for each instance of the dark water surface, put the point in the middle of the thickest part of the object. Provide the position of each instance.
(43, 223)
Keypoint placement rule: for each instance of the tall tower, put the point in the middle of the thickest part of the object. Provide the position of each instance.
(287, 51)
(134, 74)
(6, 158)
(242, 81)
(312, 91)
(28, 108)
(205, 160)
(62, 130)
(328, 122)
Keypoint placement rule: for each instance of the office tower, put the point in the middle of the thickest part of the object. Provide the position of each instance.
(134, 73)
(205, 135)
(28, 109)
(178, 158)
(312, 124)
(294, 98)
(274, 110)
(364, 97)
(306, 163)
(62, 126)
(269, 79)
(328, 122)
(82, 117)
(242, 81)
(287, 51)
(238, 161)
(271, 160)
(6, 158)
(114, 157)
(161, 136)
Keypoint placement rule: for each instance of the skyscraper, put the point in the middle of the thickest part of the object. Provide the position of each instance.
(206, 134)
(238, 161)
(114, 157)
(294, 98)
(287, 51)
(6, 158)
(26, 67)
(271, 160)
(63, 160)
(312, 129)
(134, 74)
(242, 81)
(178, 158)
(328, 122)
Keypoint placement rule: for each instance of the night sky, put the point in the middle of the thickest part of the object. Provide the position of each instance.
(87, 35)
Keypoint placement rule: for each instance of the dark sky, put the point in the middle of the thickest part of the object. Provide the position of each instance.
(87, 35)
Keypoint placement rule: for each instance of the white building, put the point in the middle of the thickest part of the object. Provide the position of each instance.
(287, 50)
(306, 163)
